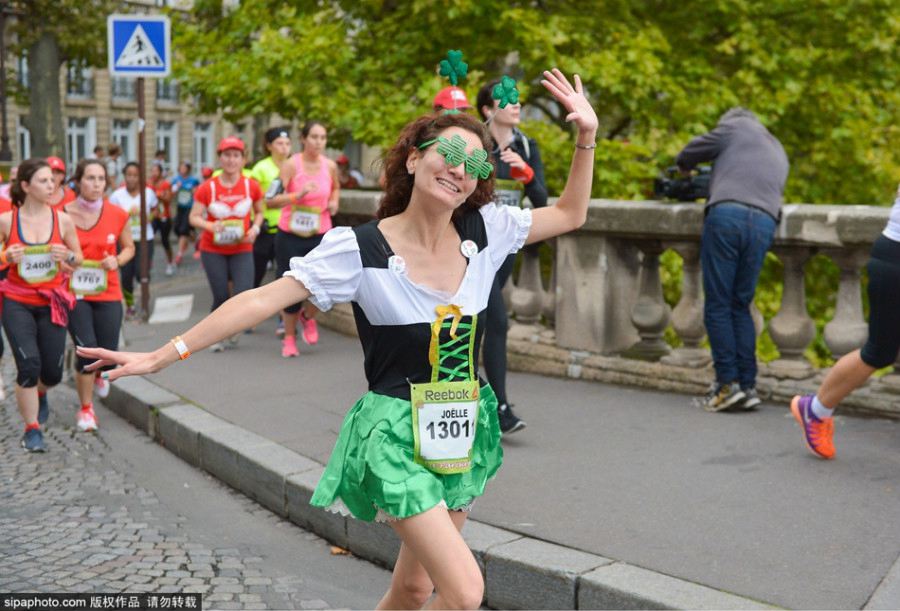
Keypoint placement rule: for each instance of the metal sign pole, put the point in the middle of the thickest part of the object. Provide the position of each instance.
(145, 259)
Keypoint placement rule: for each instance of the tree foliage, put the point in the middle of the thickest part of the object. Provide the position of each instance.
(820, 73)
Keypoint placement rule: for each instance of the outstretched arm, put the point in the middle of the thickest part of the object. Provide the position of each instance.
(241, 312)
(570, 210)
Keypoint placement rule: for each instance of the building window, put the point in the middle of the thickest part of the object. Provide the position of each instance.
(23, 139)
(167, 140)
(124, 135)
(123, 88)
(167, 91)
(81, 137)
(79, 81)
(22, 70)
(203, 146)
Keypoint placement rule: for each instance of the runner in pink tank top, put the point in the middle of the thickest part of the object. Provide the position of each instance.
(309, 200)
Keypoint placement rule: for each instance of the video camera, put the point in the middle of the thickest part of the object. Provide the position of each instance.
(672, 185)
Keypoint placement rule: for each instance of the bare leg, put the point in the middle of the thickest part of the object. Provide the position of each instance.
(27, 400)
(434, 552)
(309, 310)
(290, 323)
(84, 384)
(848, 374)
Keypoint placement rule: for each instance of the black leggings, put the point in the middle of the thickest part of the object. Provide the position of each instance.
(497, 326)
(883, 344)
(222, 268)
(37, 344)
(163, 228)
(128, 271)
(263, 252)
(288, 246)
(95, 324)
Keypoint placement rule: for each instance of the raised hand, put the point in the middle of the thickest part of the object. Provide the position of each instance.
(572, 98)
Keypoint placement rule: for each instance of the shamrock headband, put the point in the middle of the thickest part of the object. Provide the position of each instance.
(505, 91)
(454, 152)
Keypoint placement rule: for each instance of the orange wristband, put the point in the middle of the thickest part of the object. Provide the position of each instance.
(181, 347)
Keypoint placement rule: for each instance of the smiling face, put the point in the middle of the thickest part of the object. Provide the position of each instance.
(93, 182)
(231, 161)
(437, 180)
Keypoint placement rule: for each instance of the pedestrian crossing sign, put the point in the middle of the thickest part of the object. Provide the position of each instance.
(139, 45)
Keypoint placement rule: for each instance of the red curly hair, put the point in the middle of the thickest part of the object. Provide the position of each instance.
(398, 182)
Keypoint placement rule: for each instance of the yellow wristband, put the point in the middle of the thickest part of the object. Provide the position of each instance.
(181, 347)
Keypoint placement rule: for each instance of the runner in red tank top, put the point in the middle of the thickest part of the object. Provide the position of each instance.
(103, 231)
(221, 212)
(36, 302)
(5, 206)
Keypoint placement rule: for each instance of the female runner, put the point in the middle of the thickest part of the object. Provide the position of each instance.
(419, 278)
(310, 200)
(103, 230)
(36, 303)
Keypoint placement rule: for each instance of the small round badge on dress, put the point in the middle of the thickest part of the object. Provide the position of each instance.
(396, 264)
(468, 248)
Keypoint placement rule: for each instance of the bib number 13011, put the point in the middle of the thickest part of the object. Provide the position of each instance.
(444, 416)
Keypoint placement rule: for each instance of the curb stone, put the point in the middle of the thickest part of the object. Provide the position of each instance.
(520, 572)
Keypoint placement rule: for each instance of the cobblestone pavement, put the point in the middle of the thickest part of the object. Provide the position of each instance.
(75, 520)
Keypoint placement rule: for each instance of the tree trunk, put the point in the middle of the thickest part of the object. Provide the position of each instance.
(44, 119)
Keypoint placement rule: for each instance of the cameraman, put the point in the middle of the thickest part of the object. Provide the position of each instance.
(520, 171)
(741, 213)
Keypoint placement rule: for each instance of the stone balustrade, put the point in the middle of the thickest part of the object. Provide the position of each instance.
(602, 316)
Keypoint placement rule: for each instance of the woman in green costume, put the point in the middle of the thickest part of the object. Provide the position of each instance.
(417, 449)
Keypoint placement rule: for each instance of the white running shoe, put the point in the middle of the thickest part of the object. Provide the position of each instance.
(101, 387)
(217, 347)
(234, 340)
(170, 269)
(87, 420)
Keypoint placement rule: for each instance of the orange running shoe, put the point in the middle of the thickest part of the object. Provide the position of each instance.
(818, 434)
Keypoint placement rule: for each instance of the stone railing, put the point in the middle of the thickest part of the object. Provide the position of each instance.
(602, 315)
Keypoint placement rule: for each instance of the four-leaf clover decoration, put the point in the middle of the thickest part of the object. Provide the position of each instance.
(505, 91)
(454, 68)
(453, 150)
(477, 164)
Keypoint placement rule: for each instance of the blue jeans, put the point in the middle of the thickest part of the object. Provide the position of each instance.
(732, 250)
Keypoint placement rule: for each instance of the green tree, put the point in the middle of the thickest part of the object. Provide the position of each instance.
(52, 32)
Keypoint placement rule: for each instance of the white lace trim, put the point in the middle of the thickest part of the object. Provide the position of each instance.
(340, 508)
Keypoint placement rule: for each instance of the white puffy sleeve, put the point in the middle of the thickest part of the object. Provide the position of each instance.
(507, 228)
(332, 270)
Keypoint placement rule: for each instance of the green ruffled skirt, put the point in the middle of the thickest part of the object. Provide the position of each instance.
(372, 466)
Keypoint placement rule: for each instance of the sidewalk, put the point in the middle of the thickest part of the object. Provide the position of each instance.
(730, 501)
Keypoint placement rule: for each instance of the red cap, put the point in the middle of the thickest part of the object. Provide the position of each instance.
(342, 160)
(231, 142)
(57, 164)
(206, 172)
(451, 97)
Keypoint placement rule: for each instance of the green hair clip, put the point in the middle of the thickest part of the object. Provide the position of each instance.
(454, 68)
(454, 152)
(505, 91)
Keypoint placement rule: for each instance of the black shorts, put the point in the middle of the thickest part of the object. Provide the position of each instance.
(183, 222)
(883, 344)
(288, 246)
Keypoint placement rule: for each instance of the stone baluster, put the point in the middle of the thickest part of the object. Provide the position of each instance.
(549, 303)
(848, 330)
(528, 296)
(650, 315)
(792, 329)
(687, 317)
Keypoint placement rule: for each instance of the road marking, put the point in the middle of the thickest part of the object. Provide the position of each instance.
(175, 308)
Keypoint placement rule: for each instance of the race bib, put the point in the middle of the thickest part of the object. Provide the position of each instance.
(184, 198)
(135, 221)
(232, 232)
(89, 279)
(509, 192)
(444, 416)
(305, 221)
(37, 264)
